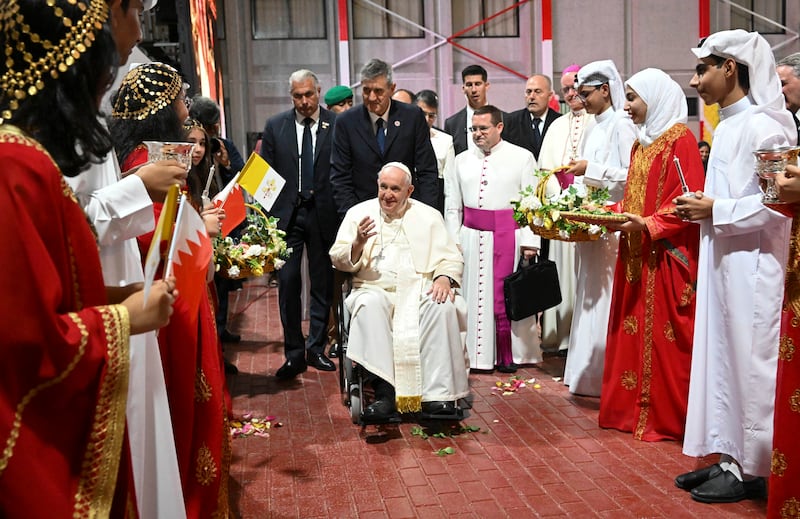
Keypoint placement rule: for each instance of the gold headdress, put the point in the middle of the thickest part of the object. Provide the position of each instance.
(32, 60)
(146, 90)
(190, 124)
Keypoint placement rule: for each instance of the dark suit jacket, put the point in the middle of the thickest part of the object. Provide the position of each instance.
(356, 159)
(456, 125)
(797, 123)
(279, 149)
(519, 129)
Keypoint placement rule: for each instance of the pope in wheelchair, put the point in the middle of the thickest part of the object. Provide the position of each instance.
(407, 322)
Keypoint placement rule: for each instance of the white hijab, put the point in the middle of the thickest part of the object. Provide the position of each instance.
(666, 103)
(608, 70)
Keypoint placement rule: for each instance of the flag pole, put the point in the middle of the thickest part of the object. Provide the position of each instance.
(173, 241)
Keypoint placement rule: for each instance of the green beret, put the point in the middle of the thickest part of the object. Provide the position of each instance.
(337, 94)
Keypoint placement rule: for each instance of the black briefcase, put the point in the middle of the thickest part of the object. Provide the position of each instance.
(533, 288)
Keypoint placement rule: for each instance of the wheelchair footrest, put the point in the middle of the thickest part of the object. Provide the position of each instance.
(392, 418)
(457, 415)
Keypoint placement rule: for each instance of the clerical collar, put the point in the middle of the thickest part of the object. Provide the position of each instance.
(300, 118)
(739, 106)
(494, 148)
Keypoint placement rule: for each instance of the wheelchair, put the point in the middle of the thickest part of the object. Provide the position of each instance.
(353, 378)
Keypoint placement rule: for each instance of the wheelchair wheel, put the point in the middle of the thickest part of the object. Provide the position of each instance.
(356, 405)
(353, 383)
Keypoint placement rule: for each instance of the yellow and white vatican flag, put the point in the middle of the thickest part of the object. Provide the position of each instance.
(261, 181)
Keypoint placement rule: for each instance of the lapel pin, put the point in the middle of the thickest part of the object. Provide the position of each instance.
(325, 125)
(397, 123)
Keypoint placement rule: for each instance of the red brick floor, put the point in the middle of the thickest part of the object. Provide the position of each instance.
(538, 453)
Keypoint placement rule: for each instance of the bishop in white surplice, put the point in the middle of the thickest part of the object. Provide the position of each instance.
(562, 143)
(485, 182)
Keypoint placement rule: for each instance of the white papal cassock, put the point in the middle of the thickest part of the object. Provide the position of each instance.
(490, 182)
(607, 149)
(396, 331)
(562, 143)
(743, 251)
(120, 210)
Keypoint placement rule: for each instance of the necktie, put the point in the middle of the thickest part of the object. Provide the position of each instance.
(380, 135)
(307, 161)
(537, 135)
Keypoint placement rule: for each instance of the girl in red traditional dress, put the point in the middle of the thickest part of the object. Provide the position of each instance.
(150, 105)
(648, 355)
(64, 353)
(784, 480)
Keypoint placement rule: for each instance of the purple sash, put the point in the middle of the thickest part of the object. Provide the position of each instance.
(501, 223)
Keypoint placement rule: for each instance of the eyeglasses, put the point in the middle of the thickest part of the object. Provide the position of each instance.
(583, 95)
(565, 90)
(482, 129)
(430, 115)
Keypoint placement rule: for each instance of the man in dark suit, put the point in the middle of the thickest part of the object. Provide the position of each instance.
(297, 144)
(376, 133)
(789, 71)
(475, 85)
(526, 127)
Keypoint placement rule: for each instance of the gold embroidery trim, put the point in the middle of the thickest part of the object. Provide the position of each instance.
(794, 401)
(223, 511)
(786, 349)
(202, 389)
(686, 295)
(11, 441)
(636, 193)
(647, 347)
(790, 509)
(777, 463)
(102, 457)
(628, 379)
(206, 469)
(792, 283)
(669, 332)
(630, 325)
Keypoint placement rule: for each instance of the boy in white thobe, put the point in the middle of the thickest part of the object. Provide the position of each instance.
(743, 250)
(604, 164)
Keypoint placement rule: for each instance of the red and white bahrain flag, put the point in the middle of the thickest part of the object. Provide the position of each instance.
(189, 255)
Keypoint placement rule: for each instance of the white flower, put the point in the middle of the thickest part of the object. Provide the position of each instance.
(254, 251)
(278, 263)
(564, 235)
(595, 229)
(567, 200)
(233, 271)
(530, 203)
(555, 214)
(538, 221)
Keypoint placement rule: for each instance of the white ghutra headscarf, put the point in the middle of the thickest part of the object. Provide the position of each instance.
(597, 73)
(751, 49)
(665, 100)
